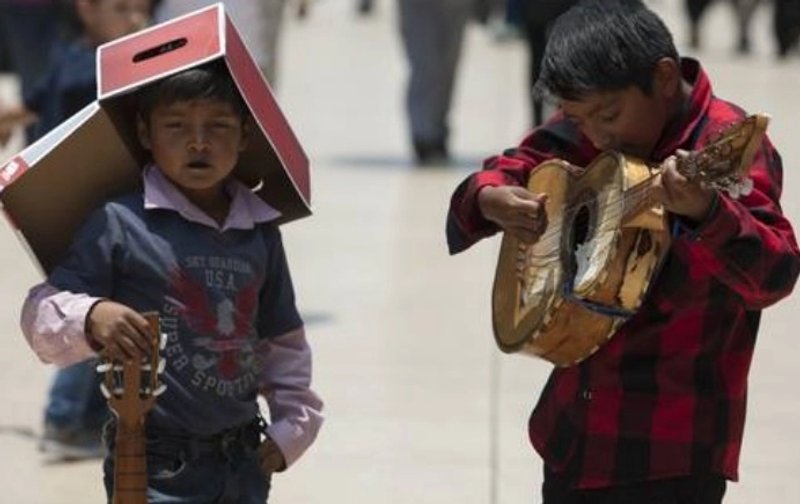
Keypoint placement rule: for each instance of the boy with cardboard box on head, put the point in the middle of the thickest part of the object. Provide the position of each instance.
(199, 247)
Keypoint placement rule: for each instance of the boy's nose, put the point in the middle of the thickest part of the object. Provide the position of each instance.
(198, 141)
(599, 138)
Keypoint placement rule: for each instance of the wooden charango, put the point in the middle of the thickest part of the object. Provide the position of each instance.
(564, 296)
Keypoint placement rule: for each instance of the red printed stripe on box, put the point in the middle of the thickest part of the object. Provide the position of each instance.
(154, 52)
(11, 171)
(251, 83)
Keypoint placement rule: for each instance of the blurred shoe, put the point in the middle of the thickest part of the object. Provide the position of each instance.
(62, 444)
(365, 7)
(743, 46)
(431, 153)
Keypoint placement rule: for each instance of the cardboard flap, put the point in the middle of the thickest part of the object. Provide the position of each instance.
(49, 203)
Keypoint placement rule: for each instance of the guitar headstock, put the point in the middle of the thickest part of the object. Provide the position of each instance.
(131, 388)
(723, 163)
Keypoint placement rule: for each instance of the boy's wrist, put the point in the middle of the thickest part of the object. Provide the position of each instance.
(272, 459)
(93, 342)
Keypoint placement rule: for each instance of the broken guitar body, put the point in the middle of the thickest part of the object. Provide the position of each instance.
(561, 298)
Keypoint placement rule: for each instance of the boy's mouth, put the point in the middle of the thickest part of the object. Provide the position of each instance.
(199, 164)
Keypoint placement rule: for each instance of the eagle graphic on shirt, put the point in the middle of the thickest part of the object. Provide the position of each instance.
(223, 326)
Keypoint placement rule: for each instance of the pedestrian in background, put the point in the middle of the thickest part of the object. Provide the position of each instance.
(432, 32)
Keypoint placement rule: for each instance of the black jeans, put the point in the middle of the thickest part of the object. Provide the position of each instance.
(695, 489)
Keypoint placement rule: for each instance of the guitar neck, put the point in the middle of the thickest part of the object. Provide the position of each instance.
(131, 388)
(639, 197)
(130, 465)
(721, 164)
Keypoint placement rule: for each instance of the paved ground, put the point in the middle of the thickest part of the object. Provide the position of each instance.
(422, 408)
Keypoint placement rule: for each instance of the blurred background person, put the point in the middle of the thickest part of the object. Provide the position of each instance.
(538, 15)
(743, 9)
(258, 21)
(432, 32)
(30, 30)
(786, 25)
(76, 410)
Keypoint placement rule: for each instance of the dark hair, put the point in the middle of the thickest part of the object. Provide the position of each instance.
(603, 45)
(208, 81)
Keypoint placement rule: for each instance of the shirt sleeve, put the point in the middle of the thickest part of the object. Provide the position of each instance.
(53, 322)
(747, 243)
(558, 138)
(277, 311)
(295, 410)
(54, 313)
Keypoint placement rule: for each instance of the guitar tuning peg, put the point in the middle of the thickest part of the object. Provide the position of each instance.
(160, 390)
(740, 188)
(747, 184)
(162, 341)
(162, 364)
(104, 367)
(104, 390)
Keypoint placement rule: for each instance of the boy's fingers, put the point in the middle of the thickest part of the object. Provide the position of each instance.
(139, 331)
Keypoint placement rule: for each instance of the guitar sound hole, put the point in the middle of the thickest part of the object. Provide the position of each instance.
(580, 233)
(580, 227)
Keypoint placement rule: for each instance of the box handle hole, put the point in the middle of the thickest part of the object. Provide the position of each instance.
(158, 50)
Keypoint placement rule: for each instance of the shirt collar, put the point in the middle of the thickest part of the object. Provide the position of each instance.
(245, 212)
(678, 133)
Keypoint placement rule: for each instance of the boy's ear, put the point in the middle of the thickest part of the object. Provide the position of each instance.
(143, 133)
(667, 79)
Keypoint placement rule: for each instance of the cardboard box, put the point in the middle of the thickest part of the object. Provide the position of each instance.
(48, 190)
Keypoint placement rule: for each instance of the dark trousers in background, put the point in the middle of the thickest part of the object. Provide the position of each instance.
(75, 402)
(432, 34)
(538, 17)
(696, 489)
(786, 25)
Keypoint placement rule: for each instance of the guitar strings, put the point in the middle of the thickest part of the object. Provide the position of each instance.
(639, 194)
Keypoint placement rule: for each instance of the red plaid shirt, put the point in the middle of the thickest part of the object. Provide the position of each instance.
(666, 396)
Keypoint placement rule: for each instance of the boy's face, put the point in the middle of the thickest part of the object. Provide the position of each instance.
(195, 143)
(628, 120)
(106, 20)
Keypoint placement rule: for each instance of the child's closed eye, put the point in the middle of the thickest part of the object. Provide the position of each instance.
(222, 125)
(609, 118)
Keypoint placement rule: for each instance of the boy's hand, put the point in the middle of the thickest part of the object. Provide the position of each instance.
(516, 210)
(121, 331)
(271, 457)
(681, 196)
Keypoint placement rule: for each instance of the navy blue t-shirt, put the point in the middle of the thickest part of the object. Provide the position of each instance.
(219, 294)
